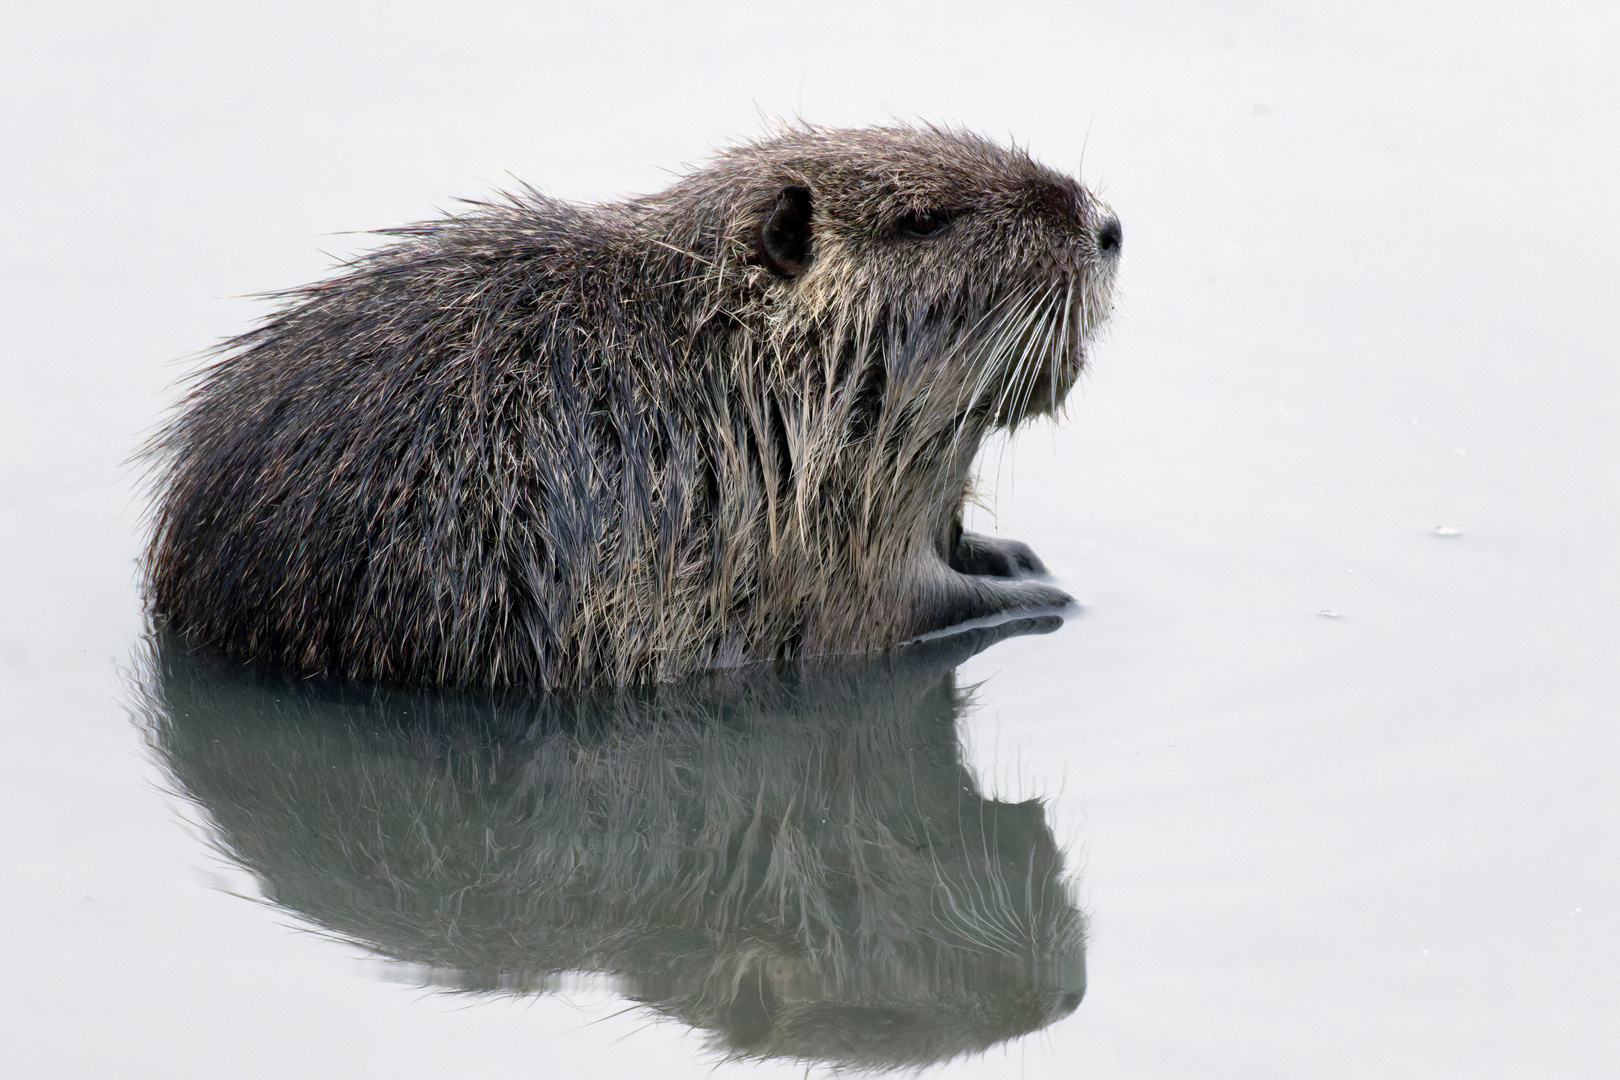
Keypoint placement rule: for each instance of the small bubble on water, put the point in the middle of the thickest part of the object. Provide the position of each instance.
(1447, 530)
(1328, 613)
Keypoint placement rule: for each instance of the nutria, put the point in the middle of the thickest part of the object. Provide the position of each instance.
(801, 866)
(558, 445)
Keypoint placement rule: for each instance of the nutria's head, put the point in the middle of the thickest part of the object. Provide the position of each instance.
(873, 303)
(971, 267)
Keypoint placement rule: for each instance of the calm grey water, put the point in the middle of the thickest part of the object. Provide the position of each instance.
(1324, 769)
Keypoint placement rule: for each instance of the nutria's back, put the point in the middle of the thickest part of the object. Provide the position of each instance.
(556, 444)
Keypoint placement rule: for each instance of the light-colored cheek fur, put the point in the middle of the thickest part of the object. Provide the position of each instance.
(872, 506)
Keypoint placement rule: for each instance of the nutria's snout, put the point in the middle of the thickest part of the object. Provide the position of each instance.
(1110, 237)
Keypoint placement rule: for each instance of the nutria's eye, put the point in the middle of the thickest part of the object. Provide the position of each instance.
(921, 224)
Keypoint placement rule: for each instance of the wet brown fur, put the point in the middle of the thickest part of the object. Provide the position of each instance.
(560, 445)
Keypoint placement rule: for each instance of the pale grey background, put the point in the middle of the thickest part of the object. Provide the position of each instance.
(1369, 289)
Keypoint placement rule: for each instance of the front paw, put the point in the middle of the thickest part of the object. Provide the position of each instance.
(987, 556)
(965, 598)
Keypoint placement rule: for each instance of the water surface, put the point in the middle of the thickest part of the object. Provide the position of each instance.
(1324, 768)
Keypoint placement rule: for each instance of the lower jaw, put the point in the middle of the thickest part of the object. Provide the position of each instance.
(1045, 398)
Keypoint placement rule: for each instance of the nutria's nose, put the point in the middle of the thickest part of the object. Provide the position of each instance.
(1110, 236)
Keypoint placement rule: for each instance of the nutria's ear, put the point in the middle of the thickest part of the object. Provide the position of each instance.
(784, 239)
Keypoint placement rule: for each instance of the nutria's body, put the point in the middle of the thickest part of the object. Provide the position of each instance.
(560, 445)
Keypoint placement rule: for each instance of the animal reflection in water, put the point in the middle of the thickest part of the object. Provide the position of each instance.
(798, 863)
